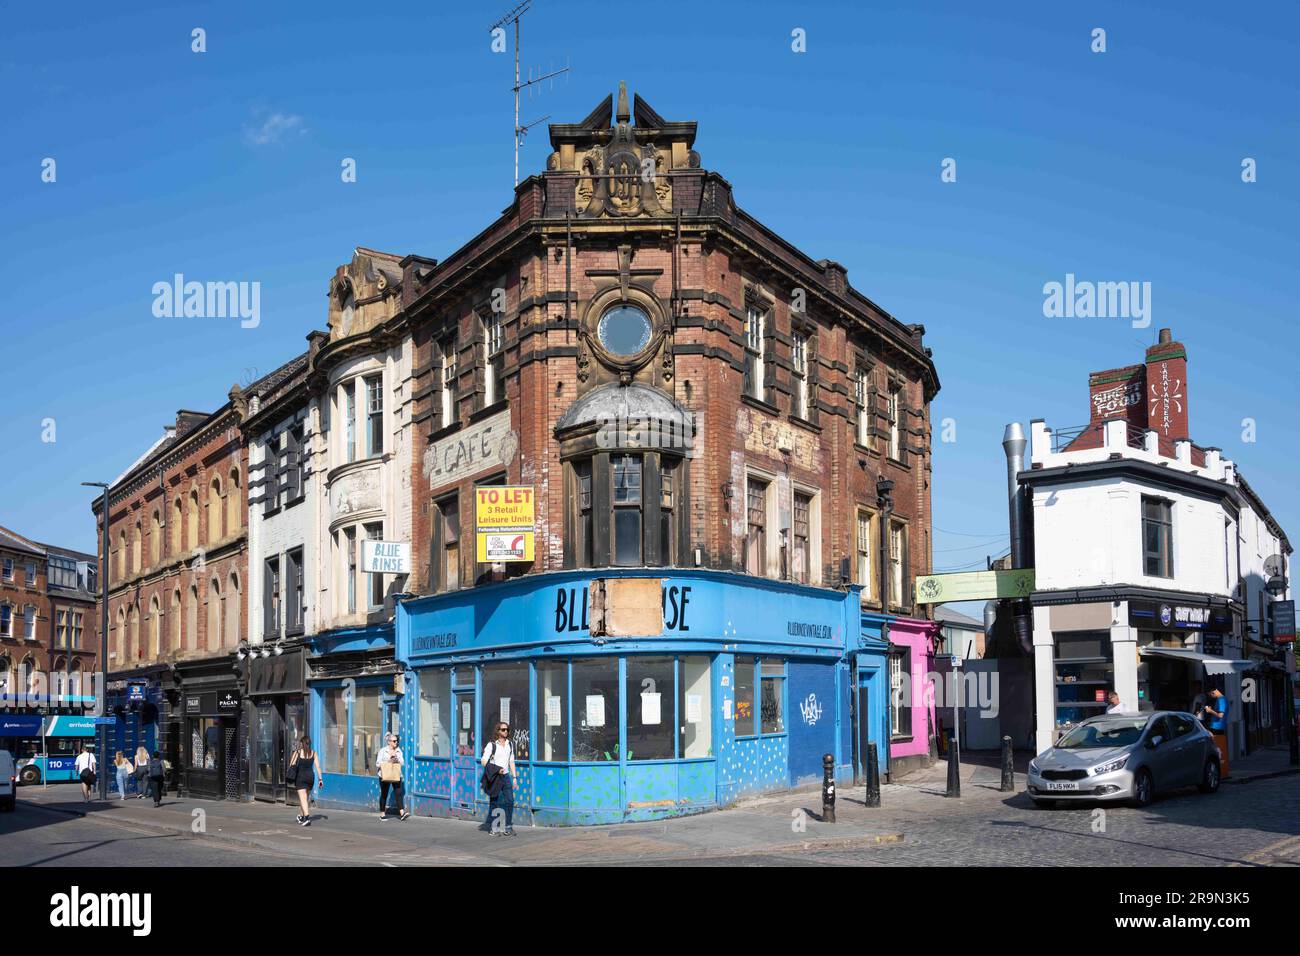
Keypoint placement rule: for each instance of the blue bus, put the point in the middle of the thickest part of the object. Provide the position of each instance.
(48, 751)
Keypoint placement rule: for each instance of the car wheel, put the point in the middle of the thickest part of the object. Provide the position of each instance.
(29, 775)
(1210, 776)
(1144, 788)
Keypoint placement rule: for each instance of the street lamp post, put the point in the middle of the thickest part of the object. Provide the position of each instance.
(103, 641)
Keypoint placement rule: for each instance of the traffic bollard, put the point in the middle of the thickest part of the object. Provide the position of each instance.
(828, 788)
(872, 798)
(954, 773)
(1008, 768)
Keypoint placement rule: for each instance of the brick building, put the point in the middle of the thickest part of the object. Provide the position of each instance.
(178, 577)
(658, 294)
(49, 623)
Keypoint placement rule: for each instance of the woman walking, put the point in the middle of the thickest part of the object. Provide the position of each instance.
(124, 770)
(157, 777)
(391, 766)
(141, 771)
(499, 781)
(304, 773)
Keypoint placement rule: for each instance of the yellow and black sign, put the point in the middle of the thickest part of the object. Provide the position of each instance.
(504, 522)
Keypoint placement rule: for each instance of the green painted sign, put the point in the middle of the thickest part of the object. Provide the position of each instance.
(974, 586)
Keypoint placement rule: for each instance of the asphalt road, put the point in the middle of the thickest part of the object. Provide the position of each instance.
(1250, 824)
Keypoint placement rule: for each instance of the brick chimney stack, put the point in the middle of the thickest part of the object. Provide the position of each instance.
(1166, 389)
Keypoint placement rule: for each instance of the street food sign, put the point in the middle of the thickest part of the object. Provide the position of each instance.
(1283, 621)
(974, 586)
(504, 523)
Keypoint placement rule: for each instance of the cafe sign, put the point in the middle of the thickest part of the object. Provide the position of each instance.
(469, 451)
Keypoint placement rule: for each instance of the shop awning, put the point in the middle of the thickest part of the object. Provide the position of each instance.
(1213, 665)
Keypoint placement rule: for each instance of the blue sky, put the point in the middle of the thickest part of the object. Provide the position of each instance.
(1123, 165)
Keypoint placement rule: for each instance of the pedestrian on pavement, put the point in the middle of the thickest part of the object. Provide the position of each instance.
(124, 769)
(1114, 706)
(303, 774)
(391, 764)
(1217, 711)
(141, 771)
(86, 766)
(157, 778)
(499, 780)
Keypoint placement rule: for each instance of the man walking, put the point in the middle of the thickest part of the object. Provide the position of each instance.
(86, 768)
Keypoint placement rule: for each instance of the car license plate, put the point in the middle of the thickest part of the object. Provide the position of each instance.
(1062, 785)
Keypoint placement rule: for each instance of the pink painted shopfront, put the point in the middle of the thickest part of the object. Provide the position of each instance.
(912, 729)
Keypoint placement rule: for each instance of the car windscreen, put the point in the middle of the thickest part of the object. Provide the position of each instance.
(1108, 732)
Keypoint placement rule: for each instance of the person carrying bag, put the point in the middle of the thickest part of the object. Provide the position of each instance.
(390, 763)
(157, 778)
(498, 781)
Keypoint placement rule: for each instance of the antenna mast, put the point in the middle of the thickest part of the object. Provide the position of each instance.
(513, 17)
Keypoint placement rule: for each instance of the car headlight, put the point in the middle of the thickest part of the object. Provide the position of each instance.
(1110, 767)
(1033, 767)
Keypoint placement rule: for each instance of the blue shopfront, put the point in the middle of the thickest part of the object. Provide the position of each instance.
(634, 695)
(353, 683)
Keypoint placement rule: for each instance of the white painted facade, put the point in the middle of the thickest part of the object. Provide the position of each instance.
(1088, 533)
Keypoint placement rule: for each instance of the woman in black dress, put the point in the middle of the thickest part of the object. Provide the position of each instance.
(304, 773)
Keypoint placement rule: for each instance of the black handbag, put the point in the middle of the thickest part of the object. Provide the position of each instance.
(491, 774)
(291, 775)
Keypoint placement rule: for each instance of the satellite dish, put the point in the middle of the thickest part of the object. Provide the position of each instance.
(1273, 566)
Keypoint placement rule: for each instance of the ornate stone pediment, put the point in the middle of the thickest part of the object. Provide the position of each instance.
(625, 170)
(364, 293)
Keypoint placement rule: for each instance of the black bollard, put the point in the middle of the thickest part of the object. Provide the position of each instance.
(872, 798)
(954, 773)
(828, 788)
(1008, 768)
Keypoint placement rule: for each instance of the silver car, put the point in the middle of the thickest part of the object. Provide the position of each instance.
(1126, 757)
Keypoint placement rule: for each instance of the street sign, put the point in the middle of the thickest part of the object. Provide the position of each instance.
(105, 721)
(504, 519)
(974, 586)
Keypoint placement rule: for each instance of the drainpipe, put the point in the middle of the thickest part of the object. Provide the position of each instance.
(1013, 443)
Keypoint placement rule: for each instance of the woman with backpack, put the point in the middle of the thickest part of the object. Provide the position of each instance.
(157, 777)
(499, 781)
(302, 775)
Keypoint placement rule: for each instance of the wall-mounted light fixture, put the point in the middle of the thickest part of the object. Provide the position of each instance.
(727, 494)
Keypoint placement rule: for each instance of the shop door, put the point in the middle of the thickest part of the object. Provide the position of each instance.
(268, 751)
(464, 765)
(862, 714)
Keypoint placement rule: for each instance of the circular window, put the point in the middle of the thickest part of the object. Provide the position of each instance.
(624, 330)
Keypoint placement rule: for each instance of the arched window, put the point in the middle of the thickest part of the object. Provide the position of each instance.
(174, 623)
(214, 511)
(119, 638)
(74, 679)
(133, 634)
(28, 675)
(6, 675)
(155, 538)
(135, 546)
(214, 615)
(155, 628)
(192, 521)
(178, 522)
(232, 611)
(234, 510)
(121, 555)
(191, 640)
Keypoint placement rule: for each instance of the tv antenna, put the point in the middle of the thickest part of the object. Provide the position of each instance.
(513, 17)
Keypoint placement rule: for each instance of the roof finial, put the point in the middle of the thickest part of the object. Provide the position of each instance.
(623, 113)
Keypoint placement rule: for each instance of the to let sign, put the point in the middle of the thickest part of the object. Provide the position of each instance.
(504, 519)
(386, 557)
